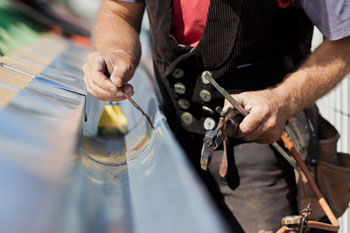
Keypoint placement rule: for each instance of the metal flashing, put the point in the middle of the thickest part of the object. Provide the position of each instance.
(55, 177)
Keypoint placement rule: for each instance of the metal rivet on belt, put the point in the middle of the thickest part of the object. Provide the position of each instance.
(180, 88)
(205, 95)
(208, 110)
(178, 73)
(203, 77)
(209, 123)
(184, 104)
(187, 118)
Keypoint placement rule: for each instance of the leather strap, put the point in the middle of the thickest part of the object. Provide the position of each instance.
(223, 164)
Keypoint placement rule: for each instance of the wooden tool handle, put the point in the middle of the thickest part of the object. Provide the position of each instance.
(334, 226)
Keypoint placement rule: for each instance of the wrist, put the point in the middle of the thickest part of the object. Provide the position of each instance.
(130, 56)
(296, 92)
(284, 102)
(127, 54)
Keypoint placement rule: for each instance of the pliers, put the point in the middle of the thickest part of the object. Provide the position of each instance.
(227, 127)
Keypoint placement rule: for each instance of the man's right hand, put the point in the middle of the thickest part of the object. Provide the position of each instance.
(106, 75)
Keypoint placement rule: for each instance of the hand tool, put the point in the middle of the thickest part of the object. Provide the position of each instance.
(132, 102)
(227, 126)
(241, 110)
(139, 108)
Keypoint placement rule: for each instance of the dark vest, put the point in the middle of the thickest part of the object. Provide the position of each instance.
(247, 45)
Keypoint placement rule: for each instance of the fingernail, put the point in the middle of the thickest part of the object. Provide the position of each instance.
(113, 89)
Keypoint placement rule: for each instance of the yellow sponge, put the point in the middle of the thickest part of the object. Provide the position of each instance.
(113, 121)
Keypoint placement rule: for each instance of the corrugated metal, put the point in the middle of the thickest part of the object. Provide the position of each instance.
(335, 107)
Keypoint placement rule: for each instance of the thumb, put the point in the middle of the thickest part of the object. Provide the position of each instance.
(122, 73)
(116, 77)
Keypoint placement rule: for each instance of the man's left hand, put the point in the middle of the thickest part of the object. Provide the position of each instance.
(268, 113)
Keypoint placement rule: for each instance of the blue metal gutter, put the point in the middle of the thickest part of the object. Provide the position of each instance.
(57, 175)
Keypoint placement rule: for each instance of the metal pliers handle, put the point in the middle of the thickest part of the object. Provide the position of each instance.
(208, 148)
(227, 127)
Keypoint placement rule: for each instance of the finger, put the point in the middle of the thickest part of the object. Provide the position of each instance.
(98, 63)
(96, 74)
(99, 92)
(249, 124)
(100, 80)
(105, 96)
(121, 95)
(108, 98)
(127, 89)
(255, 134)
(241, 100)
(87, 84)
(121, 74)
(269, 136)
(227, 104)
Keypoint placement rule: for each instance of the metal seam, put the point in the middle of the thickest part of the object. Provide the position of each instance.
(42, 79)
(4, 85)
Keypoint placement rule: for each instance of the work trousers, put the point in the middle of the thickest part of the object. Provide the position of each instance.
(258, 192)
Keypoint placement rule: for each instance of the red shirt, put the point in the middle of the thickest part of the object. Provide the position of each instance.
(189, 18)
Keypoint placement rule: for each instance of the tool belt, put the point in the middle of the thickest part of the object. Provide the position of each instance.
(331, 170)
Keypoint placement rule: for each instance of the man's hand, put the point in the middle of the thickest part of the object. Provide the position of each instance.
(106, 75)
(267, 115)
(116, 38)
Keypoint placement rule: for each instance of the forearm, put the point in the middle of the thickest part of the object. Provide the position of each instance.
(117, 29)
(321, 72)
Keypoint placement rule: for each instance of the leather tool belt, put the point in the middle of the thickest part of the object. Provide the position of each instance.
(331, 172)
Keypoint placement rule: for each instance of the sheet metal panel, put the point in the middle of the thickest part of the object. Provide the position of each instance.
(38, 136)
(147, 183)
(140, 182)
(37, 141)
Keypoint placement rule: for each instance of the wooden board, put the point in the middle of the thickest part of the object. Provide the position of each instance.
(31, 59)
(6, 96)
(13, 79)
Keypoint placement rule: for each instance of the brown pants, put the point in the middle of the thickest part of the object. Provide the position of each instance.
(259, 191)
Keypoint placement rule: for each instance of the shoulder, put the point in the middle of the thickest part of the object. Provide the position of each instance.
(331, 17)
